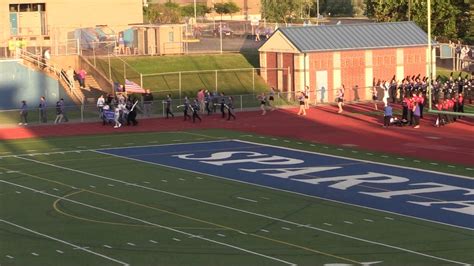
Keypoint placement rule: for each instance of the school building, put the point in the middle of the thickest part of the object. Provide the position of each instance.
(50, 22)
(329, 56)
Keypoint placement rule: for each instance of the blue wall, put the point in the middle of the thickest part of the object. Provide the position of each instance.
(18, 82)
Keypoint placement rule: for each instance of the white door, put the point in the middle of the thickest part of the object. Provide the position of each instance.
(321, 87)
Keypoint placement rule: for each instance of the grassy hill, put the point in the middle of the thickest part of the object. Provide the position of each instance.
(241, 81)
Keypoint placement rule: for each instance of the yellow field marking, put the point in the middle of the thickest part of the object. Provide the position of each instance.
(194, 219)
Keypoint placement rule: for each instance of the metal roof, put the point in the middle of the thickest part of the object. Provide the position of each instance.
(355, 36)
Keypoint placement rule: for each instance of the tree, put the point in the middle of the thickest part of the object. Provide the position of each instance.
(280, 10)
(447, 18)
(201, 10)
(163, 13)
(232, 8)
(227, 8)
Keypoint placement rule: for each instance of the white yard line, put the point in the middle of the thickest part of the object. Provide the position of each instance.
(242, 198)
(59, 240)
(142, 221)
(258, 214)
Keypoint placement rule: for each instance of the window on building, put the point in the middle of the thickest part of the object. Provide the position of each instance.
(171, 36)
(31, 7)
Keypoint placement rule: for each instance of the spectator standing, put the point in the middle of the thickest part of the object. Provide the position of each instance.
(387, 115)
(42, 110)
(168, 106)
(70, 76)
(416, 114)
(200, 98)
(59, 113)
(63, 110)
(147, 103)
(23, 113)
(230, 108)
(82, 78)
(101, 104)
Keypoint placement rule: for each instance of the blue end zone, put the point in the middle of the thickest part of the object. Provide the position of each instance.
(422, 194)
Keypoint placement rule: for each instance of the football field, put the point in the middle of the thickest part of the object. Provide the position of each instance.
(214, 197)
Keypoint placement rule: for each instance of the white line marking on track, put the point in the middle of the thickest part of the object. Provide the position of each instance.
(176, 239)
(348, 222)
(106, 145)
(31, 150)
(10, 257)
(326, 147)
(91, 186)
(451, 166)
(165, 181)
(198, 177)
(146, 182)
(59, 251)
(12, 172)
(400, 158)
(434, 163)
(17, 192)
(221, 235)
(265, 198)
(55, 189)
(327, 224)
(263, 230)
(34, 254)
(416, 161)
(131, 244)
(299, 143)
(142, 221)
(384, 156)
(355, 152)
(107, 246)
(111, 185)
(251, 200)
(469, 169)
(153, 241)
(261, 137)
(339, 149)
(287, 141)
(286, 228)
(274, 139)
(244, 211)
(368, 153)
(177, 140)
(389, 218)
(182, 179)
(368, 220)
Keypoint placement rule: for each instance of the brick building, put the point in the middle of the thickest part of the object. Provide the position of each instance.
(327, 57)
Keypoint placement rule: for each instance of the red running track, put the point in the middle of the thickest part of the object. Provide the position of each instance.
(453, 143)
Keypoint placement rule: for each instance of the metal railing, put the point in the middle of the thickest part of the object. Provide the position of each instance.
(44, 64)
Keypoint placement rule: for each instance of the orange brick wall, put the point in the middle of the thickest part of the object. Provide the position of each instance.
(288, 62)
(272, 62)
(353, 72)
(318, 62)
(384, 63)
(414, 60)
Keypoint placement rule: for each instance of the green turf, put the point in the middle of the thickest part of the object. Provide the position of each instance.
(207, 207)
(231, 82)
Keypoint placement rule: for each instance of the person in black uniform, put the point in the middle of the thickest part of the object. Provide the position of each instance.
(168, 106)
(186, 108)
(195, 110)
(230, 108)
(393, 90)
(207, 101)
(132, 114)
(222, 104)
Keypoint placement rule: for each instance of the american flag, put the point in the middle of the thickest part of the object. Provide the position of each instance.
(132, 87)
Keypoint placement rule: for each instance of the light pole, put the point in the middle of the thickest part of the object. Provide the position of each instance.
(195, 12)
(429, 55)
